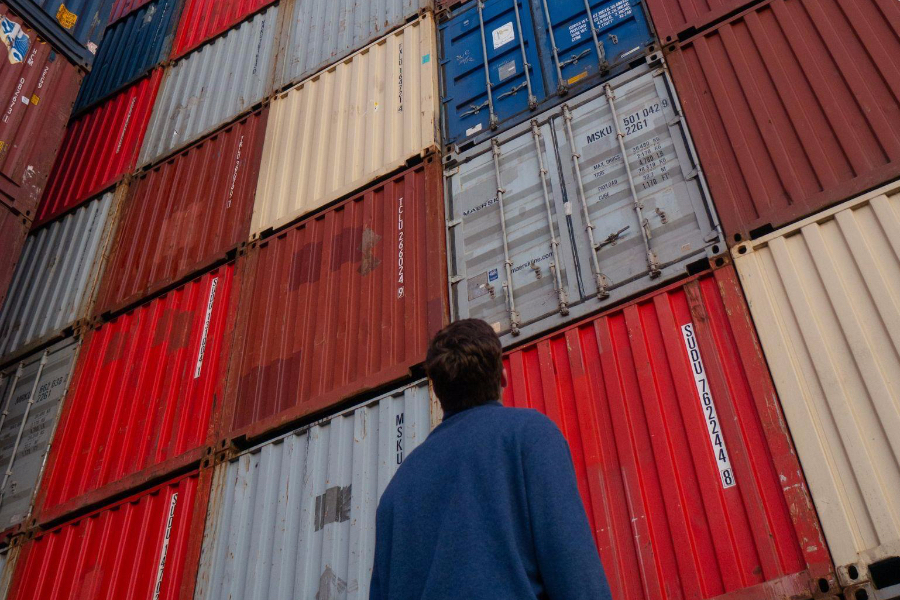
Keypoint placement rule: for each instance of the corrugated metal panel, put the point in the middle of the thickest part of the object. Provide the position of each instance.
(130, 49)
(74, 26)
(167, 359)
(31, 393)
(213, 85)
(342, 129)
(683, 459)
(142, 547)
(37, 91)
(794, 106)
(100, 147)
(13, 231)
(123, 7)
(676, 19)
(339, 304)
(825, 295)
(185, 214)
(205, 19)
(318, 33)
(57, 276)
(580, 197)
(310, 498)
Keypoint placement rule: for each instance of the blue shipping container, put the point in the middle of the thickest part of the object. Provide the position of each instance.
(565, 56)
(74, 27)
(130, 50)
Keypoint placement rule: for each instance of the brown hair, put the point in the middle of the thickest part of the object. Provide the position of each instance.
(465, 365)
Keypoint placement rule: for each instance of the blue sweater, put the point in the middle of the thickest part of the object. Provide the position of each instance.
(486, 507)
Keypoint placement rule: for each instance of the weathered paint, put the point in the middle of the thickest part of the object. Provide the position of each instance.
(184, 214)
(341, 303)
(680, 19)
(212, 86)
(31, 395)
(8, 557)
(140, 547)
(342, 129)
(295, 517)
(57, 276)
(99, 148)
(205, 19)
(825, 296)
(131, 48)
(123, 7)
(148, 383)
(319, 33)
(631, 399)
(13, 232)
(36, 90)
(794, 106)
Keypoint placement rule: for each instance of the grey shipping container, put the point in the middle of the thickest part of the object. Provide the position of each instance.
(31, 392)
(547, 223)
(318, 33)
(56, 277)
(295, 517)
(212, 86)
(8, 555)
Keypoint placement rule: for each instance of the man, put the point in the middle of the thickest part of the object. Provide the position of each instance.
(487, 506)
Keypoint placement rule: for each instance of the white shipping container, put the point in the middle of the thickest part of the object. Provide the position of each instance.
(212, 86)
(295, 517)
(57, 275)
(345, 127)
(825, 296)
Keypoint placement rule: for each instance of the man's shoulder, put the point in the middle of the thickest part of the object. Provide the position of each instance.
(528, 421)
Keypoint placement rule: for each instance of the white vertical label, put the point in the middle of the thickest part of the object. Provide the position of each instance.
(708, 407)
(165, 547)
(209, 306)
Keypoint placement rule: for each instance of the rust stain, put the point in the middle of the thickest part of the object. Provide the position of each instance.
(367, 247)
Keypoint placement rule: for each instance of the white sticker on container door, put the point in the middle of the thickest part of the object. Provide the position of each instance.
(503, 35)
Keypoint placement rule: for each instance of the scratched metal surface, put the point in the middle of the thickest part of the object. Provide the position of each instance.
(681, 223)
(295, 517)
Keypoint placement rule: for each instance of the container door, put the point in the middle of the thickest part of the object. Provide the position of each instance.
(639, 221)
(573, 51)
(509, 240)
(484, 52)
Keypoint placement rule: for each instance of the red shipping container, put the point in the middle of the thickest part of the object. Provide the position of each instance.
(690, 495)
(341, 303)
(185, 214)
(205, 19)
(147, 546)
(793, 106)
(142, 397)
(37, 92)
(682, 18)
(100, 147)
(13, 231)
(122, 7)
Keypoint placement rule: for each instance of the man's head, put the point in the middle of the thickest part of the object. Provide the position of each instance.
(465, 365)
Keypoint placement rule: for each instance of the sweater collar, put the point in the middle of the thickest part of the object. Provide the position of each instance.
(452, 413)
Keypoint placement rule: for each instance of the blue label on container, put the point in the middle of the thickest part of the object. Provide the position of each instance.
(17, 43)
(493, 275)
(426, 58)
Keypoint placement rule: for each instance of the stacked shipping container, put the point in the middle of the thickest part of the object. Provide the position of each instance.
(245, 231)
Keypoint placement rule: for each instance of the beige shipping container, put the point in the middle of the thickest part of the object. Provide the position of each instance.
(345, 127)
(825, 296)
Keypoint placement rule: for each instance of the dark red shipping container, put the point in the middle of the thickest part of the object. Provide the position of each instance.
(13, 231)
(185, 214)
(122, 7)
(684, 462)
(202, 20)
(37, 93)
(682, 18)
(341, 303)
(142, 397)
(793, 106)
(100, 147)
(146, 546)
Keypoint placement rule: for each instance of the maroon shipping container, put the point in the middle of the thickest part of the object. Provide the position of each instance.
(13, 231)
(142, 397)
(122, 7)
(683, 18)
(185, 214)
(794, 106)
(146, 546)
(343, 302)
(37, 90)
(100, 147)
(684, 462)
